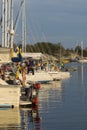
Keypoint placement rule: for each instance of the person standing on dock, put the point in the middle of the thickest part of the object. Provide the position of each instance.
(31, 66)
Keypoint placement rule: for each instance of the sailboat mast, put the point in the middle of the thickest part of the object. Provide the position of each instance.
(8, 21)
(23, 27)
(3, 22)
(82, 50)
(11, 28)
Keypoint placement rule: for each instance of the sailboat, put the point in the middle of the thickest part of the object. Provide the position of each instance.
(9, 94)
(82, 60)
(8, 38)
(59, 74)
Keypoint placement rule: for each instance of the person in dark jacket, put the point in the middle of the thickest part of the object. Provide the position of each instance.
(31, 66)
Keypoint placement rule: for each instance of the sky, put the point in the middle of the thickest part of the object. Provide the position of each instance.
(54, 21)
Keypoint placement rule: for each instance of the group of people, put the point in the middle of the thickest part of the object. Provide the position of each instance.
(24, 68)
(11, 72)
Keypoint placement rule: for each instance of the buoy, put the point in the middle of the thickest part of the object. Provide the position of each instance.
(35, 101)
(37, 85)
(35, 108)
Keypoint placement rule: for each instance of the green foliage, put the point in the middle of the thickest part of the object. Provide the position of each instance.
(55, 49)
(78, 50)
(46, 47)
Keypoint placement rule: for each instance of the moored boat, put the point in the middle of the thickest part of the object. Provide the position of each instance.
(58, 75)
(17, 96)
(82, 60)
(41, 77)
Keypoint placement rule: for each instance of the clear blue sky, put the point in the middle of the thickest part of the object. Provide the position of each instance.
(55, 21)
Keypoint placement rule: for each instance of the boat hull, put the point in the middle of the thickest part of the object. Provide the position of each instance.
(59, 75)
(41, 77)
(9, 95)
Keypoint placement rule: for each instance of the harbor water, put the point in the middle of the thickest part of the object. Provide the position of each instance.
(62, 106)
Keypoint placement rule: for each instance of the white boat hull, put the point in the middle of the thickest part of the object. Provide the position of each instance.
(38, 77)
(59, 75)
(9, 117)
(83, 61)
(9, 95)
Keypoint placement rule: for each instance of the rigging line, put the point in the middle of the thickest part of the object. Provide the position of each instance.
(38, 30)
(35, 31)
(18, 15)
(42, 32)
(33, 28)
(42, 36)
(31, 36)
(36, 27)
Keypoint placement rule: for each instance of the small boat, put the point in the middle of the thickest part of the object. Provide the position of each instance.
(58, 75)
(41, 77)
(82, 61)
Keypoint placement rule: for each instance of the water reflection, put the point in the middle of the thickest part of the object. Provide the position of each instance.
(30, 119)
(52, 92)
(82, 73)
(62, 105)
(20, 119)
(9, 119)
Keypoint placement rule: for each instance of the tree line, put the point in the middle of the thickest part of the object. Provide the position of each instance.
(55, 49)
